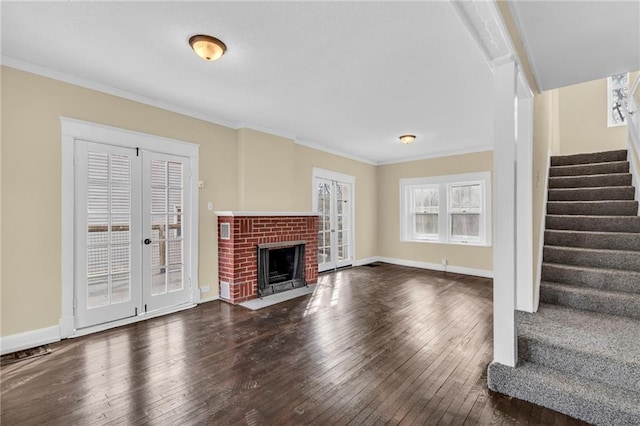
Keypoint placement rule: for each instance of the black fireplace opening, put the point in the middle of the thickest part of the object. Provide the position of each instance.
(280, 268)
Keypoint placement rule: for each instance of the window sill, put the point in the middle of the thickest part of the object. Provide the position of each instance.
(453, 243)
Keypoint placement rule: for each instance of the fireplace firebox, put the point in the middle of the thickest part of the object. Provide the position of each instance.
(280, 267)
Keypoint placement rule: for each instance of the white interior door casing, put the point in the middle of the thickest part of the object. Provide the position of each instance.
(333, 199)
(100, 227)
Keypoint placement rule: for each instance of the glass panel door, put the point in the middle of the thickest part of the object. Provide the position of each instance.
(107, 253)
(324, 188)
(343, 222)
(333, 203)
(164, 216)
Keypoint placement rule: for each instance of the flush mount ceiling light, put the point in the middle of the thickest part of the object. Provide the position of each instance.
(207, 47)
(407, 139)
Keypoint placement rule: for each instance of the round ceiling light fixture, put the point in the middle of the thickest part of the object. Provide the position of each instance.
(407, 139)
(207, 47)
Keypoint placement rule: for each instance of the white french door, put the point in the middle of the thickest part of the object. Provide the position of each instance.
(108, 260)
(333, 201)
(130, 232)
(163, 219)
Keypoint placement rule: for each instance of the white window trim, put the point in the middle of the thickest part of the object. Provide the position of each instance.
(444, 182)
(610, 87)
(73, 130)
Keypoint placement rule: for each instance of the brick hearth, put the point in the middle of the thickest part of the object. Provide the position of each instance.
(238, 255)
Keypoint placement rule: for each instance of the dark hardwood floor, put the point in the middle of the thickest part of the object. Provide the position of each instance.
(373, 345)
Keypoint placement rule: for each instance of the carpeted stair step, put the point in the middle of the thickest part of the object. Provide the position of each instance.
(590, 181)
(593, 223)
(593, 402)
(590, 299)
(595, 346)
(594, 208)
(595, 258)
(594, 157)
(592, 194)
(590, 169)
(595, 240)
(598, 278)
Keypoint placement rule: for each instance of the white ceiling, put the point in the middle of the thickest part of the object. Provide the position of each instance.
(571, 42)
(348, 77)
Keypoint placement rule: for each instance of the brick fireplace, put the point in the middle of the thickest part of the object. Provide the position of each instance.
(241, 234)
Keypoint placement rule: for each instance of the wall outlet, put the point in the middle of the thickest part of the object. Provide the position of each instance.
(444, 262)
(210, 206)
(205, 289)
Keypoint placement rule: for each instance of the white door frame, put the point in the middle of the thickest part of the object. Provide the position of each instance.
(339, 177)
(72, 130)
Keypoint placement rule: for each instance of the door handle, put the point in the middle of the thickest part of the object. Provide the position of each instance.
(147, 241)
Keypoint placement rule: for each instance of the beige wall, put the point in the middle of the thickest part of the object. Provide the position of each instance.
(265, 171)
(232, 163)
(582, 110)
(389, 244)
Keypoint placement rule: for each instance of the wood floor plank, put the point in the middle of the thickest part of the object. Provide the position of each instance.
(373, 345)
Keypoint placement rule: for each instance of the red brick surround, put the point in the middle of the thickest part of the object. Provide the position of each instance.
(238, 256)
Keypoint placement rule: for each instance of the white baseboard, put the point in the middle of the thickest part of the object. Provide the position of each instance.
(437, 267)
(208, 299)
(29, 339)
(366, 261)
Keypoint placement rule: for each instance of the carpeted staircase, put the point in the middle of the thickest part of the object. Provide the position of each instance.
(580, 353)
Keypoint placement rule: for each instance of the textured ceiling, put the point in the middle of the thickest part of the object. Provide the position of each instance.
(348, 77)
(571, 42)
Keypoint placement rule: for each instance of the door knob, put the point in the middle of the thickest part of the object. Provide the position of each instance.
(147, 241)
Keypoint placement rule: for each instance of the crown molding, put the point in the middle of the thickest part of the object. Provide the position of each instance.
(103, 88)
(439, 154)
(486, 26)
(339, 153)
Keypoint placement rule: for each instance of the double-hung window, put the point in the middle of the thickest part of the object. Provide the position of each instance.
(465, 212)
(425, 206)
(453, 209)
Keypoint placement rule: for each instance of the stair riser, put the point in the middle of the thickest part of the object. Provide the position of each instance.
(511, 382)
(590, 181)
(589, 366)
(613, 241)
(596, 157)
(609, 208)
(590, 169)
(622, 305)
(594, 223)
(602, 279)
(628, 261)
(592, 194)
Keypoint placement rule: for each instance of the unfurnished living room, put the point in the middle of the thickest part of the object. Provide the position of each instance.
(332, 212)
